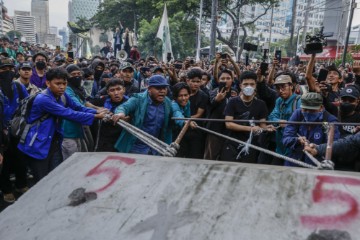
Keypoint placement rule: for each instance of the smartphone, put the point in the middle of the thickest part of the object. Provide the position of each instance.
(222, 85)
(278, 55)
(70, 55)
(263, 68)
(322, 75)
(224, 56)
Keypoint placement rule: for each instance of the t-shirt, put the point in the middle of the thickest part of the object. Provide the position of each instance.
(346, 130)
(255, 110)
(199, 100)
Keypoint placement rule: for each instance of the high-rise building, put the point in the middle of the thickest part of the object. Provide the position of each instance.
(40, 10)
(25, 23)
(335, 20)
(53, 30)
(82, 8)
(64, 34)
(7, 23)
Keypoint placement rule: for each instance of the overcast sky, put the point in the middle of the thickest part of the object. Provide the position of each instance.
(58, 10)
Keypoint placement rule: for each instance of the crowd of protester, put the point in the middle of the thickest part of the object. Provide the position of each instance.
(75, 96)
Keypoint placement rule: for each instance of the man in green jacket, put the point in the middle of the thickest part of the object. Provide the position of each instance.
(151, 112)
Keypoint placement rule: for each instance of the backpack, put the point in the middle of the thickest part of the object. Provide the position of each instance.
(19, 128)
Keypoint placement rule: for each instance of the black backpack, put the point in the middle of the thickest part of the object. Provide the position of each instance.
(19, 128)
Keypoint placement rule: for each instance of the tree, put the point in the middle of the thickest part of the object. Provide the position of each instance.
(12, 34)
(135, 12)
(180, 30)
(233, 9)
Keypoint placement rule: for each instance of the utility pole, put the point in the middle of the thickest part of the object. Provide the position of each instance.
(238, 38)
(352, 8)
(292, 28)
(271, 23)
(214, 5)
(199, 32)
(306, 18)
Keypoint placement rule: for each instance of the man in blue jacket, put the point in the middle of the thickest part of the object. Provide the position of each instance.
(151, 112)
(285, 105)
(11, 93)
(42, 144)
(296, 136)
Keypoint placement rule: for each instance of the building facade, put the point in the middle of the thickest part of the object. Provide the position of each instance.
(25, 23)
(82, 9)
(40, 10)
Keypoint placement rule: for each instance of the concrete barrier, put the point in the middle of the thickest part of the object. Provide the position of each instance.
(148, 197)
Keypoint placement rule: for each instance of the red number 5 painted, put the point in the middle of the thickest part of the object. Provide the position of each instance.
(321, 195)
(113, 172)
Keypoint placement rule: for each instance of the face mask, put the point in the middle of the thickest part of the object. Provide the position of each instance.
(312, 117)
(347, 108)
(41, 65)
(88, 86)
(98, 74)
(6, 79)
(75, 81)
(248, 91)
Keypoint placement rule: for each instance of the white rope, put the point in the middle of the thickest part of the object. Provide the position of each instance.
(154, 143)
(260, 149)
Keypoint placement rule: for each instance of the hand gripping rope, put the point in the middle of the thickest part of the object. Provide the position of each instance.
(153, 142)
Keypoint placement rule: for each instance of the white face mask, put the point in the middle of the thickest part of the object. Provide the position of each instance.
(248, 91)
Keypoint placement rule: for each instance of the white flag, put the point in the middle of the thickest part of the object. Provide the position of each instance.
(164, 34)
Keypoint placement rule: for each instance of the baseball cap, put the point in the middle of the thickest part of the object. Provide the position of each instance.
(25, 65)
(158, 81)
(126, 65)
(72, 67)
(311, 100)
(40, 54)
(350, 92)
(283, 79)
(6, 62)
(157, 68)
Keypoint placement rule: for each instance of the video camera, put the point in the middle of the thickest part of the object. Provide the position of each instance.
(315, 43)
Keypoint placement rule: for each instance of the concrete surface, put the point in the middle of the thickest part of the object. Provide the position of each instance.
(147, 197)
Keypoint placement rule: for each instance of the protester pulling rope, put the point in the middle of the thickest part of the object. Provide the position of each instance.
(156, 144)
(153, 142)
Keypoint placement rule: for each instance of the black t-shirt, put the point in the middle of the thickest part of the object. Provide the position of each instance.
(255, 110)
(348, 130)
(199, 100)
(216, 111)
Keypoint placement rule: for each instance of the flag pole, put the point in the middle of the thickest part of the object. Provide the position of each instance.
(199, 33)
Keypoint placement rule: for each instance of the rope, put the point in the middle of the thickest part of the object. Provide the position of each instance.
(154, 143)
(159, 146)
(268, 122)
(260, 149)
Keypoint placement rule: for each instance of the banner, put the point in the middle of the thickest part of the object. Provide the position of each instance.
(164, 34)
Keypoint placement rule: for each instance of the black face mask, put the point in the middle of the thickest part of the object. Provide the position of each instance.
(6, 79)
(346, 108)
(75, 81)
(40, 65)
(98, 74)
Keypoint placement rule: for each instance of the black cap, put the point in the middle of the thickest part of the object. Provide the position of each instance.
(6, 62)
(72, 67)
(350, 92)
(157, 68)
(40, 54)
(25, 65)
